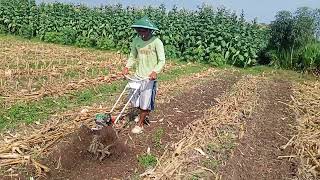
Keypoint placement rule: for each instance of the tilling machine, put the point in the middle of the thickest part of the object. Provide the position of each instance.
(106, 119)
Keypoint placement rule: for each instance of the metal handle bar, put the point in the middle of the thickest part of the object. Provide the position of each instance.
(126, 87)
(135, 80)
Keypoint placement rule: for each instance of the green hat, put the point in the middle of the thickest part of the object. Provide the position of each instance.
(144, 23)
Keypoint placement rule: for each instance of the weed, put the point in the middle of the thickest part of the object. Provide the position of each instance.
(211, 163)
(71, 74)
(157, 137)
(147, 160)
(212, 148)
(195, 177)
(85, 96)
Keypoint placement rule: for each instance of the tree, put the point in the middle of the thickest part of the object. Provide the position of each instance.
(242, 16)
(290, 33)
(282, 30)
(317, 23)
(304, 27)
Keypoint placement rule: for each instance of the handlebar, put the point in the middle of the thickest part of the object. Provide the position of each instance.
(135, 79)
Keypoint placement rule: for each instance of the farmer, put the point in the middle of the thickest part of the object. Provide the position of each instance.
(147, 54)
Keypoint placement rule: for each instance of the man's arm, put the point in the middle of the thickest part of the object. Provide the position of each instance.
(131, 59)
(132, 56)
(161, 57)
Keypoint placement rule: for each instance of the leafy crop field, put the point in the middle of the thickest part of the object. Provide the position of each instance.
(208, 126)
(214, 37)
(61, 64)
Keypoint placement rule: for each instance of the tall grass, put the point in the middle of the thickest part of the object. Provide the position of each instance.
(293, 43)
(305, 59)
(310, 57)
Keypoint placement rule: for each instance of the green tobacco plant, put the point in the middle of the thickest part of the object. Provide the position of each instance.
(207, 35)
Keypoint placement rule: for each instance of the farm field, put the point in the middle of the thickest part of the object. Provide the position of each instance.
(236, 99)
(219, 123)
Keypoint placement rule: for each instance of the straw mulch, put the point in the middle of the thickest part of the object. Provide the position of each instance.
(24, 147)
(183, 159)
(306, 104)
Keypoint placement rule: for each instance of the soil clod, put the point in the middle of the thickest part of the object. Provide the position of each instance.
(102, 142)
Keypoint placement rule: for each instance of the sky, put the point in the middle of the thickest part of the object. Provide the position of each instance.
(265, 10)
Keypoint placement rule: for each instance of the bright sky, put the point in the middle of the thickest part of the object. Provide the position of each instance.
(263, 10)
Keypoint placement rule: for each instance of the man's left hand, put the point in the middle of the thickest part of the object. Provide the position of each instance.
(153, 76)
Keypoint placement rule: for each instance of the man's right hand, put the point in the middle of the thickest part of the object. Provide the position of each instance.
(125, 71)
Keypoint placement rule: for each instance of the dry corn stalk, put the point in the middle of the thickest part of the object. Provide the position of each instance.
(177, 164)
(306, 104)
(35, 142)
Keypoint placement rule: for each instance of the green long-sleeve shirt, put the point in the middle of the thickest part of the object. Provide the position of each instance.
(148, 55)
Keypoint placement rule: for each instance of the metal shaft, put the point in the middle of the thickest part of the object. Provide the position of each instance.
(135, 91)
(114, 106)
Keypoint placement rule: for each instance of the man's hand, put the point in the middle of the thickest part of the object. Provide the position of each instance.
(125, 71)
(153, 76)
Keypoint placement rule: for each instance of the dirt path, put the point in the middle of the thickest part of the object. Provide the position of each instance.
(74, 162)
(256, 155)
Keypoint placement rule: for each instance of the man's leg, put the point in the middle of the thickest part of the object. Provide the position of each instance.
(139, 127)
(143, 115)
(146, 103)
